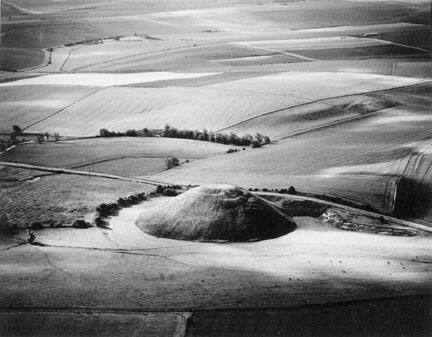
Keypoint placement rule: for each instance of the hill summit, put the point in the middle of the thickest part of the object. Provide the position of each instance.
(215, 212)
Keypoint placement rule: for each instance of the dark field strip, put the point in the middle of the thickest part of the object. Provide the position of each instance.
(392, 317)
(383, 51)
(385, 317)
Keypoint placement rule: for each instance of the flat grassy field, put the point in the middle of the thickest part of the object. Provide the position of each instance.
(80, 153)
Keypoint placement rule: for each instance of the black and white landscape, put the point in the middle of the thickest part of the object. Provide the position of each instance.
(215, 168)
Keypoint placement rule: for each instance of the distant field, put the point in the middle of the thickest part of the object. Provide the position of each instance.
(382, 51)
(169, 54)
(336, 13)
(26, 105)
(18, 58)
(91, 151)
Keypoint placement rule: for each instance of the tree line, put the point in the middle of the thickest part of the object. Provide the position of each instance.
(256, 140)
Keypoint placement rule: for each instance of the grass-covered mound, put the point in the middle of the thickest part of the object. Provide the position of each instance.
(215, 212)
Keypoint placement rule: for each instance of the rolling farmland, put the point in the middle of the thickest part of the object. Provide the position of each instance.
(213, 107)
(344, 90)
(359, 162)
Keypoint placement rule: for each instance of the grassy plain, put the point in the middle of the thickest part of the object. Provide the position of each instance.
(77, 153)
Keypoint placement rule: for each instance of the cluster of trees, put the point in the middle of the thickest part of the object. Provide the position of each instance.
(256, 140)
(290, 190)
(172, 162)
(46, 137)
(13, 138)
(106, 210)
(234, 150)
(16, 137)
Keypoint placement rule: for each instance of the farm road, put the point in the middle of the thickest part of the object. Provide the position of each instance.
(81, 173)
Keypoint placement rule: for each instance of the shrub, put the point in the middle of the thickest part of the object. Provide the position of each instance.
(172, 162)
(169, 192)
(100, 222)
(81, 224)
(16, 130)
(292, 190)
(40, 139)
(255, 144)
(131, 133)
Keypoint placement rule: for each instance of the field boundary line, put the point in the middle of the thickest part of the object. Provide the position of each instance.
(276, 51)
(180, 311)
(65, 108)
(262, 114)
(83, 173)
(402, 45)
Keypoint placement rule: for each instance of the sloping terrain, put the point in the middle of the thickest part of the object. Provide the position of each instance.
(215, 212)
(213, 107)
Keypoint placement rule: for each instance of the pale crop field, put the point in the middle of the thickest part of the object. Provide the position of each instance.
(190, 108)
(213, 107)
(26, 105)
(101, 80)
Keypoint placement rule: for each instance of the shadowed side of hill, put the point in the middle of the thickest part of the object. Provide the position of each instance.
(213, 213)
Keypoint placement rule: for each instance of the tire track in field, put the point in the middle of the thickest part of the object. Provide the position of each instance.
(64, 109)
(61, 69)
